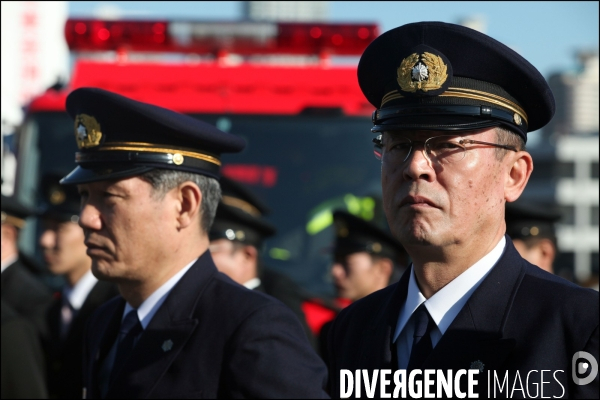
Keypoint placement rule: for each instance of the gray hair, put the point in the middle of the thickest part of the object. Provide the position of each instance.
(507, 137)
(163, 180)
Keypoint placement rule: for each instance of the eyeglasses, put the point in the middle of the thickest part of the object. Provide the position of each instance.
(443, 149)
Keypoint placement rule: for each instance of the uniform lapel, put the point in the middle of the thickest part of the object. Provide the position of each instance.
(475, 337)
(53, 319)
(165, 336)
(101, 342)
(100, 293)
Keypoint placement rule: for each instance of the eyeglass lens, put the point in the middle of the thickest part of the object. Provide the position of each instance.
(441, 149)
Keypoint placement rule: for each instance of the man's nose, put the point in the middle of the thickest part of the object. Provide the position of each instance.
(89, 218)
(338, 271)
(48, 239)
(418, 165)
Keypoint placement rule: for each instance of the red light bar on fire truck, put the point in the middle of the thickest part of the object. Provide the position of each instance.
(245, 38)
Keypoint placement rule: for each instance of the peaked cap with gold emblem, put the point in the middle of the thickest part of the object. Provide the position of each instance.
(119, 137)
(531, 220)
(240, 216)
(14, 212)
(354, 234)
(446, 77)
(60, 202)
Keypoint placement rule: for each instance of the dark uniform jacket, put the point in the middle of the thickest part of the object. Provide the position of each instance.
(26, 295)
(64, 356)
(519, 319)
(288, 292)
(22, 358)
(224, 341)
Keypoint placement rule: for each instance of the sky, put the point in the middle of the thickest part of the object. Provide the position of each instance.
(548, 34)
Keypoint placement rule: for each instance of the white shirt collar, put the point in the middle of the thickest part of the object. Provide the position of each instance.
(9, 261)
(150, 306)
(445, 305)
(78, 293)
(252, 283)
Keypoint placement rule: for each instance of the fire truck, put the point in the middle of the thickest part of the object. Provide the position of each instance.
(278, 85)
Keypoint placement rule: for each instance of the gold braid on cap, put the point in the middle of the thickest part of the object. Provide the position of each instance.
(12, 220)
(151, 148)
(242, 205)
(468, 94)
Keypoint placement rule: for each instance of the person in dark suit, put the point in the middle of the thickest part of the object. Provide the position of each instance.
(236, 238)
(147, 177)
(453, 110)
(21, 290)
(62, 243)
(531, 228)
(22, 358)
(366, 259)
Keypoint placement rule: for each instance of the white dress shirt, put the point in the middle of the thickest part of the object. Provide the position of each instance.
(252, 284)
(9, 261)
(77, 294)
(444, 305)
(148, 308)
(73, 299)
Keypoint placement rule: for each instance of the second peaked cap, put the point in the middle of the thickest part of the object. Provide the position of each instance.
(119, 137)
(240, 216)
(60, 202)
(354, 234)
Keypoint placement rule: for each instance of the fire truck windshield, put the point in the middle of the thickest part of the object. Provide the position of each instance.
(303, 167)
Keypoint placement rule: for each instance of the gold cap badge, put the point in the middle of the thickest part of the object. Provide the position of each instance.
(87, 131)
(342, 229)
(423, 72)
(57, 196)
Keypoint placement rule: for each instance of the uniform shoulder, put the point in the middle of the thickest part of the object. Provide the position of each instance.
(28, 283)
(235, 299)
(553, 286)
(368, 308)
(577, 305)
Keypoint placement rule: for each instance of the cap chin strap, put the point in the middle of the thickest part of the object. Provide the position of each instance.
(430, 110)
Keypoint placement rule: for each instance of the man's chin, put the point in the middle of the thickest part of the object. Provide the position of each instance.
(414, 235)
(101, 271)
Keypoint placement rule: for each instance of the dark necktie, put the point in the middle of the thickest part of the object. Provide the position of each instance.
(421, 347)
(67, 313)
(129, 331)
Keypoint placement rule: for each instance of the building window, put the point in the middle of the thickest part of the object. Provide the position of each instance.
(550, 169)
(567, 213)
(594, 216)
(543, 170)
(594, 171)
(564, 169)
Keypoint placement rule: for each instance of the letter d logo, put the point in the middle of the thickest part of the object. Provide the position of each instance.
(583, 367)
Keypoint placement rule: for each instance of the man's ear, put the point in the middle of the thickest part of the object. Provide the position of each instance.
(386, 268)
(548, 250)
(189, 198)
(250, 253)
(520, 167)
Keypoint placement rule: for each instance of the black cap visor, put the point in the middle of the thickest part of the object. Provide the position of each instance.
(102, 173)
(435, 123)
(443, 118)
